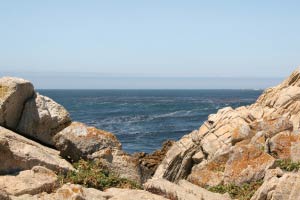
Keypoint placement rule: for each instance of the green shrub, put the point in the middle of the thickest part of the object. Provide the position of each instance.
(244, 192)
(95, 175)
(287, 165)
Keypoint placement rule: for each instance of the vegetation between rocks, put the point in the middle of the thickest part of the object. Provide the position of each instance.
(287, 165)
(244, 192)
(95, 174)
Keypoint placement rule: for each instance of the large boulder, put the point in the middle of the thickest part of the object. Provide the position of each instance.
(246, 164)
(79, 141)
(66, 192)
(178, 161)
(14, 92)
(278, 188)
(209, 173)
(284, 144)
(19, 153)
(34, 181)
(181, 191)
(42, 118)
(77, 192)
(126, 194)
(126, 166)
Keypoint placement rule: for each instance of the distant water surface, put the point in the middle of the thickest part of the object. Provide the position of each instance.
(143, 119)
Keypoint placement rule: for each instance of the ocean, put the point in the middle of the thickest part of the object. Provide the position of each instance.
(143, 119)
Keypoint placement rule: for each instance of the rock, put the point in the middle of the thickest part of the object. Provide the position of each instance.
(14, 92)
(246, 164)
(275, 111)
(295, 151)
(18, 153)
(206, 195)
(126, 166)
(183, 191)
(170, 190)
(241, 133)
(272, 126)
(270, 173)
(211, 173)
(77, 192)
(150, 162)
(66, 192)
(178, 161)
(265, 191)
(126, 194)
(285, 187)
(79, 141)
(34, 181)
(42, 118)
(4, 195)
(280, 145)
(198, 157)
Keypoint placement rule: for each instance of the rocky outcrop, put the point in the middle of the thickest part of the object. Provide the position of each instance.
(14, 92)
(284, 144)
(42, 118)
(66, 192)
(150, 162)
(210, 173)
(178, 161)
(233, 147)
(254, 136)
(79, 141)
(246, 164)
(72, 192)
(278, 188)
(19, 153)
(126, 166)
(181, 191)
(34, 181)
(126, 194)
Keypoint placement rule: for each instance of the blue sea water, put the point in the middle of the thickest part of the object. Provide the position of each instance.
(143, 119)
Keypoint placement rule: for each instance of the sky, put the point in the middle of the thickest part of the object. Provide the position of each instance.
(157, 44)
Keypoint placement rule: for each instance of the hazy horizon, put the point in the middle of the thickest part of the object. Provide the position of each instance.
(149, 44)
(88, 81)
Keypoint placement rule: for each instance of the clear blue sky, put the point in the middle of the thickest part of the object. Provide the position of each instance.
(146, 43)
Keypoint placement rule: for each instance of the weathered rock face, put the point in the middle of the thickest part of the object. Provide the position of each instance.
(266, 130)
(283, 145)
(66, 192)
(4, 195)
(150, 162)
(278, 188)
(79, 141)
(34, 181)
(14, 92)
(77, 192)
(178, 161)
(126, 166)
(246, 164)
(181, 191)
(211, 173)
(125, 194)
(19, 153)
(42, 118)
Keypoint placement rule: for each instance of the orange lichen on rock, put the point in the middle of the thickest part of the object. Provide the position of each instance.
(281, 144)
(246, 163)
